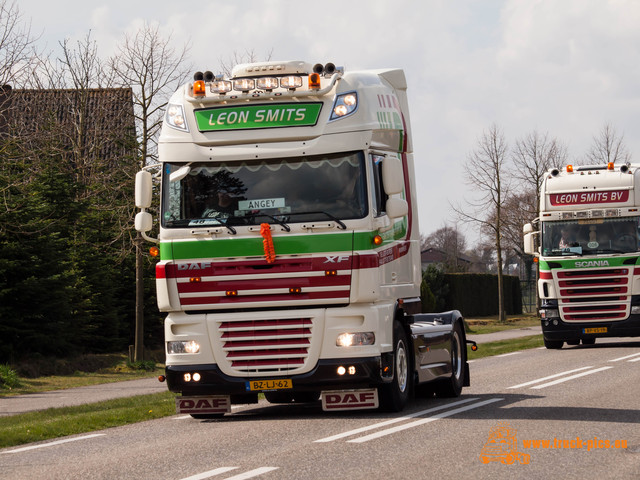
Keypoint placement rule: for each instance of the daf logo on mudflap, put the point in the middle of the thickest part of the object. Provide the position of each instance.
(210, 404)
(350, 399)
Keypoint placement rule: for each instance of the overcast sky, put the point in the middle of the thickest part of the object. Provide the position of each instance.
(562, 67)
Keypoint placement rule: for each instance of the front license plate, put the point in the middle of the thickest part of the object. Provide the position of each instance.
(278, 384)
(595, 330)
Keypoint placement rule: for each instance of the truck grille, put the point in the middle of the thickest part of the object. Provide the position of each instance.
(261, 346)
(594, 294)
(224, 285)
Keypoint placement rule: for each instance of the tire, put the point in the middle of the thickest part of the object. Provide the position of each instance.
(452, 387)
(553, 344)
(394, 396)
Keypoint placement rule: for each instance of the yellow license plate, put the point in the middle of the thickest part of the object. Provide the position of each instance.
(595, 330)
(277, 384)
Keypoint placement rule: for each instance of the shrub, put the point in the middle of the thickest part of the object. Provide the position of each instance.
(8, 377)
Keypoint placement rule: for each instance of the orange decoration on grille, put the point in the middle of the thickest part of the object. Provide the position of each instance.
(269, 251)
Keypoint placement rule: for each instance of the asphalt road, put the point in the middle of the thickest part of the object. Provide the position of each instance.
(578, 399)
(108, 391)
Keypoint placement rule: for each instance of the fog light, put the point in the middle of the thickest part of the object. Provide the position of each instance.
(352, 370)
(196, 377)
(635, 310)
(341, 370)
(187, 377)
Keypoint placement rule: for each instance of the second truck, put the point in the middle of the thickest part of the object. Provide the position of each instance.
(589, 260)
(289, 243)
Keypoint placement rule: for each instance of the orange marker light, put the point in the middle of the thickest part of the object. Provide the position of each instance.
(314, 81)
(154, 251)
(295, 290)
(570, 168)
(610, 166)
(377, 240)
(195, 279)
(231, 293)
(199, 88)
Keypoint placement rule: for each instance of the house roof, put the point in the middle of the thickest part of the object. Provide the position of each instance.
(100, 117)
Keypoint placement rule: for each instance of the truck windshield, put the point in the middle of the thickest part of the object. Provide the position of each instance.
(590, 236)
(253, 192)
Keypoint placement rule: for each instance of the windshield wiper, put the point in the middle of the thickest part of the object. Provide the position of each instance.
(225, 223)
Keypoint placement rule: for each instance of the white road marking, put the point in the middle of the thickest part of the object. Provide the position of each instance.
(549, 377)
(392, 421)
(423, 421)
(252, 473)
(635, 360)
(566, 379)
(210, 473)
(57, 442)
(624, 358)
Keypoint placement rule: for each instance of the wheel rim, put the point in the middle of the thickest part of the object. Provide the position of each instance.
(401, 367)
(456, 356)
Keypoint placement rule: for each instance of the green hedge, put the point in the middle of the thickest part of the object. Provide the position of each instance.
(476, 294)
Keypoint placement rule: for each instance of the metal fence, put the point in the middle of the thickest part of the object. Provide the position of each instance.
(529, 296)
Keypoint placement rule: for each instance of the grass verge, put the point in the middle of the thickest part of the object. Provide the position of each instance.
(505, 346)
(480, 325)
(61, 422)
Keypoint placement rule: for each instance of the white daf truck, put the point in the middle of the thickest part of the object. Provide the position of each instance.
(589, 284)
(289, 243)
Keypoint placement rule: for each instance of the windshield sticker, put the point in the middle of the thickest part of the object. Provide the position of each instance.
(203, 222)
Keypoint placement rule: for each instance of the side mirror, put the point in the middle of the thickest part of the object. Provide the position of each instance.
(144, 189)
(396, 207)
(392, 175)
(529, 244)
(143, 221)
(528, 228)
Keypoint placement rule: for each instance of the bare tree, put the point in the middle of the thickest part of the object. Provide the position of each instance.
(485, 174)
(607, 147)
(451, 243)
(147, 63)
(534, 155)
(153, 69)
(17, 54)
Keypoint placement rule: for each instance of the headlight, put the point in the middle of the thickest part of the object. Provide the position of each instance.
(175, 117)
(353, 339)
(550, 313)
(188, 346)
(345, 105)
